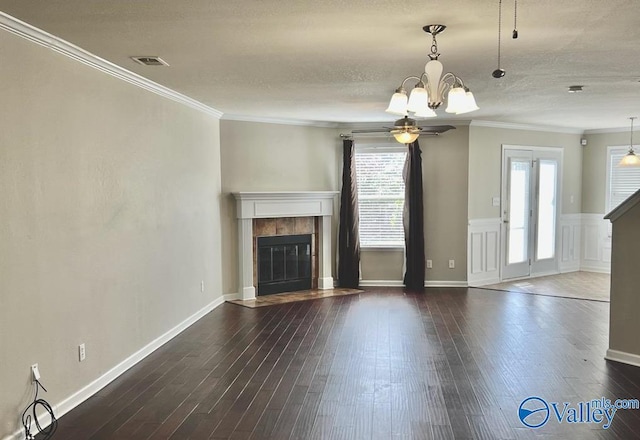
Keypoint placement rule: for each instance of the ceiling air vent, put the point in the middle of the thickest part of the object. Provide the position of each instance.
(150, 61)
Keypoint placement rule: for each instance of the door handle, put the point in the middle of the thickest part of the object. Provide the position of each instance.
(505, 221)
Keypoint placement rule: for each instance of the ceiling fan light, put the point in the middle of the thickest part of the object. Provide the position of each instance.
(398, 104)
(469, 104)
(418, 99)
(456, 100)
(630, 160)
(406, 137)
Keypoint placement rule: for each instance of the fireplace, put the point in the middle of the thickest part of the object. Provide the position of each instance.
(293, 212)
(283, 263)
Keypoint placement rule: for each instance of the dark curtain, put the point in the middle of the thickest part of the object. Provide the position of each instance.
(413, 219)
(348, 241)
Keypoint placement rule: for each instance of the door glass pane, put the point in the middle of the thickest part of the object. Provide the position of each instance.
(519, 179)
(546, 243)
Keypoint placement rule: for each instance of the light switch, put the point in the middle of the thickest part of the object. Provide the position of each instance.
(495, 201)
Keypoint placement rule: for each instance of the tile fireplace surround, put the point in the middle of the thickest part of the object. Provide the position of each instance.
(252, 205)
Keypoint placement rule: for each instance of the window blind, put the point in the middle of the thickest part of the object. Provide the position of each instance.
(623, 182)
(380, 198)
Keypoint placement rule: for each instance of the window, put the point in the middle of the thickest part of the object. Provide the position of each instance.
(380, 195)
(621, 182)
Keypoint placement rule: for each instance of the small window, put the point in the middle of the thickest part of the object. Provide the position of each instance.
(380, 196)
(621, 182)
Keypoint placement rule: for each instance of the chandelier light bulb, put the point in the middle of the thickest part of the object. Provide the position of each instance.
(425, 113)
(398, 103)
(469, 104)
(456, 100)
(418, 99)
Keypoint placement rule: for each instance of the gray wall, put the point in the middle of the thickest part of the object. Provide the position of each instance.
(594, 176)
(485, 158)
(253, 155)
(624, 325)
(272, 157)
(445, 185)
(109, 220)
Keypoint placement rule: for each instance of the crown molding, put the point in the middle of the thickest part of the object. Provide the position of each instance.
(281, 121)
(38, 36)
(608, 130)
(526, 127)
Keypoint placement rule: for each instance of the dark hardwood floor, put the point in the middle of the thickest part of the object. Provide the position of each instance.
(445, 364)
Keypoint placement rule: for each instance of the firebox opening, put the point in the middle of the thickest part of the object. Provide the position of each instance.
(284, 263)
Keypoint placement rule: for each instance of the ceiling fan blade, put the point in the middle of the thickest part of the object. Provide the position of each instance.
(428, 130)
(372, 130)
(437, 129)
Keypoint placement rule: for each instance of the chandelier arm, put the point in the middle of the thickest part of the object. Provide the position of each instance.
(455, 80)
(408, 78)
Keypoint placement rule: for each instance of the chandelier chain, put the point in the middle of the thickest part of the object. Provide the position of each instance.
(434, 48)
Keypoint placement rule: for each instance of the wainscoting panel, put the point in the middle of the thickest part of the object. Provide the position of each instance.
(585, 244)
(483, 251)
(596, 244)
(570, 241)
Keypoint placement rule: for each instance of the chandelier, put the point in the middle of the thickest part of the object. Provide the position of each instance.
(431, 87)
(630, 159)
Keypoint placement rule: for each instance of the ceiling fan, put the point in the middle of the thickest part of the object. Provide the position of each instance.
(406, 130)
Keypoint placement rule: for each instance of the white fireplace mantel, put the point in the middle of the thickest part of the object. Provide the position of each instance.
(250, 205)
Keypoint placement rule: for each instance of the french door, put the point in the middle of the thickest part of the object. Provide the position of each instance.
(530, 191)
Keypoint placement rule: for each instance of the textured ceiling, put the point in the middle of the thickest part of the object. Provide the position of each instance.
(340, 61)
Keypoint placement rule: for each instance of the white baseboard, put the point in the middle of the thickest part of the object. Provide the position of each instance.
(231, 296)
(325, 283)
(623, 357)
(546, 273)
(434, 283)
(595, 268)
(399, 283)
(484, 282)
(566, 268)
(381, 283)
(61, 408)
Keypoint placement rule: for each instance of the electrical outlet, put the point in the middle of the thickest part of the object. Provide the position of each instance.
(35, 372)
(452, 264)
(429, 264)
(82, 354)
(202, 286)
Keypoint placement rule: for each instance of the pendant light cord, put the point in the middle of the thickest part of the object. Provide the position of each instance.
(515, 20)
(631, 136)
(499, 29)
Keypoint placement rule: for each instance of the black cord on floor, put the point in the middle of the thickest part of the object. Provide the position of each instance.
(28, 418)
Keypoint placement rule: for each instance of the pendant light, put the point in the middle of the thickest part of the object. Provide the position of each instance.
(630, 159)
